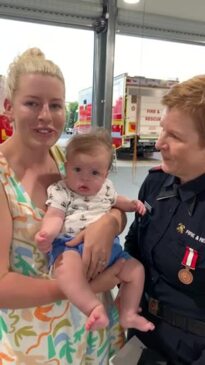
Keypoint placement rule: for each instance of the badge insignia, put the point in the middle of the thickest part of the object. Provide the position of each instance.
(180, 228)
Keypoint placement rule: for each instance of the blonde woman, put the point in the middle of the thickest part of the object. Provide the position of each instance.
(37, 326)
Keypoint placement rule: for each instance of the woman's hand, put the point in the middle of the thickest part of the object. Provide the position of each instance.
(109, 278)
(98, 240)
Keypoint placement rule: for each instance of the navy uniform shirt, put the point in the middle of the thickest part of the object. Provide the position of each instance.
(175, 219)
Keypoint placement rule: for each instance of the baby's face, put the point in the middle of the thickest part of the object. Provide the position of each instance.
(86, 173)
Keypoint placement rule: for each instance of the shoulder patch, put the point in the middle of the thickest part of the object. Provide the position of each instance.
(156, 169)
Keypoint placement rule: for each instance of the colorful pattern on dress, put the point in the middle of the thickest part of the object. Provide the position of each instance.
(51, 334)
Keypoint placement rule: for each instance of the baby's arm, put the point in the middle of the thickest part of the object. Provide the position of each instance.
(51, 226)
(127, 205)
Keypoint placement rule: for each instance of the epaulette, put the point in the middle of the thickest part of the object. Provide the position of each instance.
(157, 168)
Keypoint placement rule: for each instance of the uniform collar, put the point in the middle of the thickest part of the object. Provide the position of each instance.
(169, 188)
(186, 192)
(192, 188)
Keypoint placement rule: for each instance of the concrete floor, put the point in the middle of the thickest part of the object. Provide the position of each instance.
(128, 177)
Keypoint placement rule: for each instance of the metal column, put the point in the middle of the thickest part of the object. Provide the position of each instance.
(104, 48)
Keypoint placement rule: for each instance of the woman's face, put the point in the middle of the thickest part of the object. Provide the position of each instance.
(179, 143)
(38, 109)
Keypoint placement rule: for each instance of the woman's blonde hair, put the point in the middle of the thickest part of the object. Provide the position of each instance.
(189, 97)
(31, 61)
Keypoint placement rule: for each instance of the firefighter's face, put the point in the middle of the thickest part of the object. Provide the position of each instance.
(179, 143)
(86, 173)
(38, 109)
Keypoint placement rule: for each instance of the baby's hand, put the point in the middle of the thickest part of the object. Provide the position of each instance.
(43, 241)
(138, 207)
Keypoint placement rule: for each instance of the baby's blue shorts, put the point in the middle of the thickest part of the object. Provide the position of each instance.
(58, 247)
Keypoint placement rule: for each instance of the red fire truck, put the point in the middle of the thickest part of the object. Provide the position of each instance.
(5, 126)
(6, 129)
(136, 112)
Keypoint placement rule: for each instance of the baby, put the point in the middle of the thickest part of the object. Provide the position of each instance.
(82, 197)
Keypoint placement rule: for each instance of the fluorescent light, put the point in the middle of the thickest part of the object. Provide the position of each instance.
(131, 1)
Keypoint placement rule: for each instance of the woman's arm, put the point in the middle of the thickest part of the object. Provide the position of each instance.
(15, 289)
(16, 293)
(108, 279)
(120, 219)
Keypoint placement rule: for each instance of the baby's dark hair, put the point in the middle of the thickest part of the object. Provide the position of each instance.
(88, 143)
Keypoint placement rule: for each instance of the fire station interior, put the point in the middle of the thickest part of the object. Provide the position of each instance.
(175, 21)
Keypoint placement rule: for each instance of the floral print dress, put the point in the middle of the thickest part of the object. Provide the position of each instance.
(51, 334)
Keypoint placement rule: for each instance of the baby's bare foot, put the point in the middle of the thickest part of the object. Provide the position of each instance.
(136, 321)
(97, 319)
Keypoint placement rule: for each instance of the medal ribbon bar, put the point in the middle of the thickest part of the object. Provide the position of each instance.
(190, 258)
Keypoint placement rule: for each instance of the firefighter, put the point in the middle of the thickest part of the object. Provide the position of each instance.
(170, 238)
